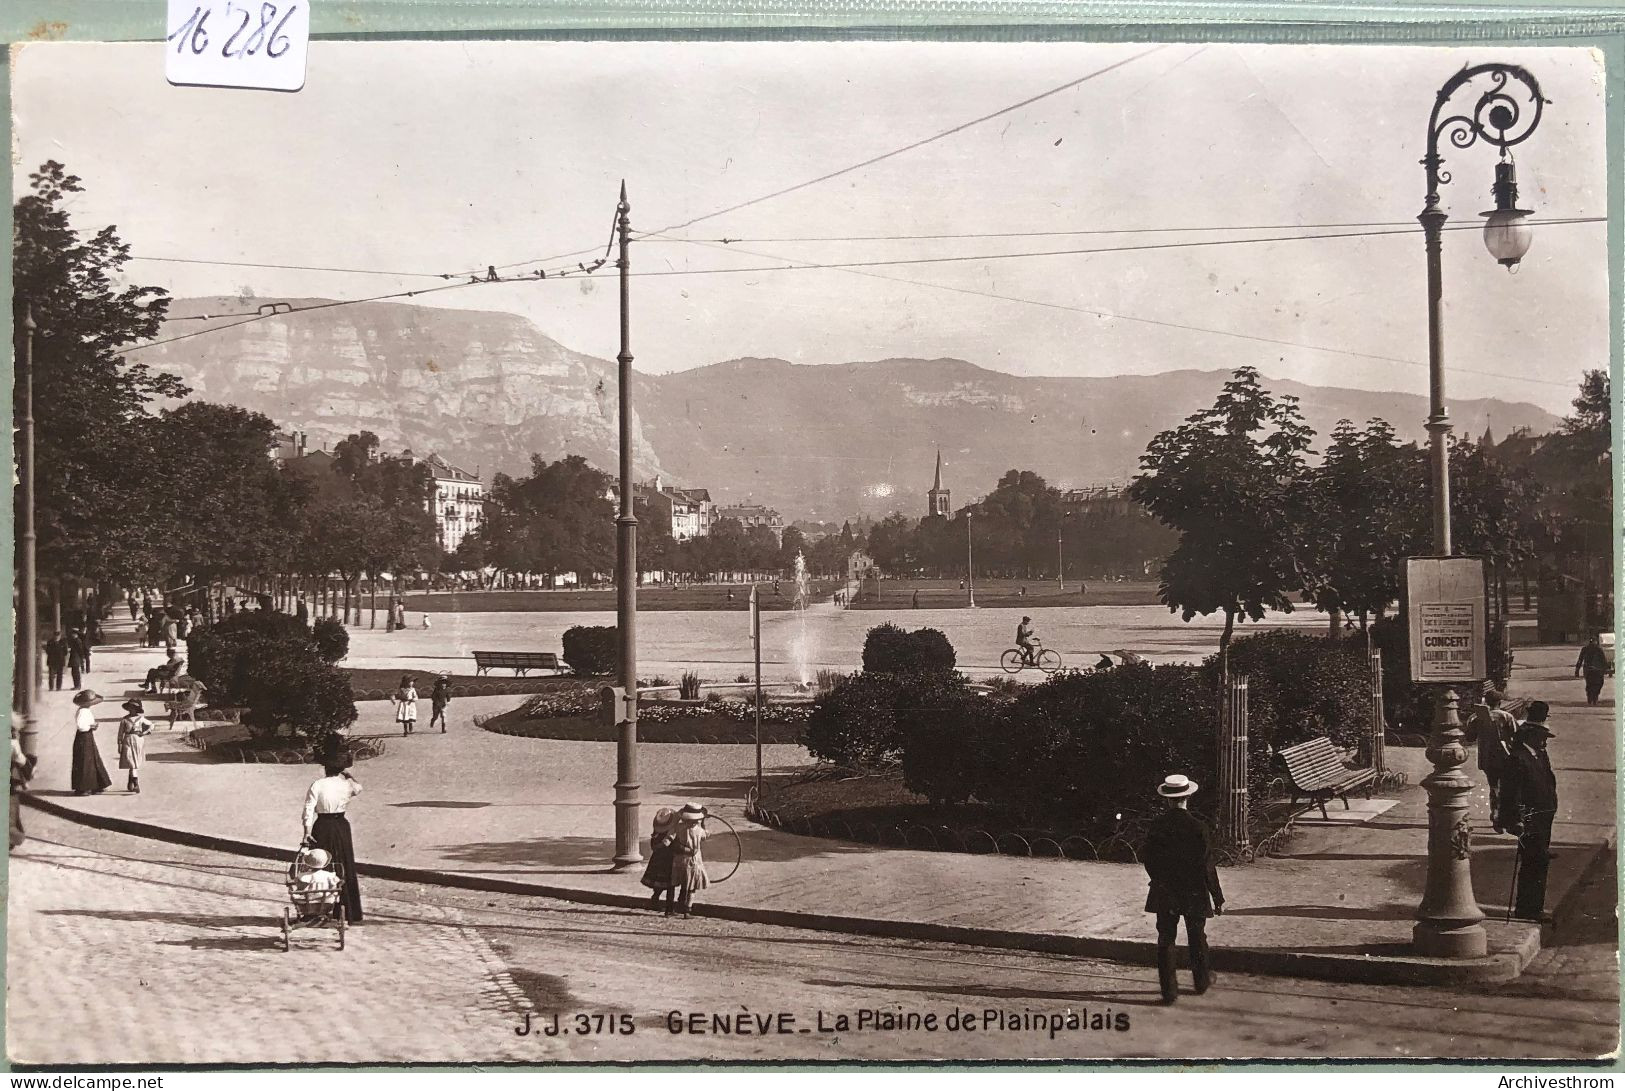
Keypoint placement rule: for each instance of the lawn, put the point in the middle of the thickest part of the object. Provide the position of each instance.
(890, 594)
(689, 597)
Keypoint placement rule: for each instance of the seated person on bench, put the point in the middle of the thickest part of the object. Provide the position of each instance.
(163, 672)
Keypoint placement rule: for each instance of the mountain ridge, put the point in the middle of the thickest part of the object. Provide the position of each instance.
(485, 389)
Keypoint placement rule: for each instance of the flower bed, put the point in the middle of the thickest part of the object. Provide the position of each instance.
(573, 713)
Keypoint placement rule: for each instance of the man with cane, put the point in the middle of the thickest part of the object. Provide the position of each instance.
(1528, 806)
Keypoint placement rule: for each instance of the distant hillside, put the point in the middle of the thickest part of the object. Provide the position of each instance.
(863, 437)
(487, 389)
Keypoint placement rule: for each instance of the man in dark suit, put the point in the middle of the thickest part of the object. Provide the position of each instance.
(1528, 805)
(1184, 883)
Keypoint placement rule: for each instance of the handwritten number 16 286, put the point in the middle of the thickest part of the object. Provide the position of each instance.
(194, 35)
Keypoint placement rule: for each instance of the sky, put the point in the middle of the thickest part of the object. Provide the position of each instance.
(425, 158)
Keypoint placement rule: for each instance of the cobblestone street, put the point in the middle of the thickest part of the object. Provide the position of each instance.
(123, 950)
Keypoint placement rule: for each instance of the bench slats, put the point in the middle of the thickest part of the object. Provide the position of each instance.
(518, 662)
(1318, 773)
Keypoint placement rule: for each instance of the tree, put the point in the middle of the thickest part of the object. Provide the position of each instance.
(1231, 481)
(891, 544)
(229, 510)
(90, 462)
(1364, 514)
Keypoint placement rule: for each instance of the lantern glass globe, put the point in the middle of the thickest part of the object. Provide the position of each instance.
(1507, 235)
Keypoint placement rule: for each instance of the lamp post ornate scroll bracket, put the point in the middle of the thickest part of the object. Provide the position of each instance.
(1505, 113)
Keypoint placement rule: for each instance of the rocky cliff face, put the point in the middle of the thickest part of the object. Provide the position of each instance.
(481, 388)
(487, 390)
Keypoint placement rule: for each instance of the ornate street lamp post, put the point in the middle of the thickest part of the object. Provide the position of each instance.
(1505, 112)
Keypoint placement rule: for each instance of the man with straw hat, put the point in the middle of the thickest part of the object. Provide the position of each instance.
(1184, 883)
(89, 774)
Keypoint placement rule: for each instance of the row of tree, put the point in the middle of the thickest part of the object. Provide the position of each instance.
(129, 492)
(560, 518)
(1258, 524)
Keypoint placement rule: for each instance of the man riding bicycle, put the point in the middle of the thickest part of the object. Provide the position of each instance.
(1028, 642)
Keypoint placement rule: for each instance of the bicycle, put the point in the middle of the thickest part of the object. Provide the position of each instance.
(1015, 660)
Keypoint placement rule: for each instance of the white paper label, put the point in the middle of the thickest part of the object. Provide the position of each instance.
(238, 43)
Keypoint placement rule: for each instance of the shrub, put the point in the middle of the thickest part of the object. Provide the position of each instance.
(1301, 685)
(863, 719)
(272, 623)
(689, 686)
(826, 680)
(949, 749)
(591, 649)
(311, 696)
(1407, 706)
(890, 649)
(277, 674)
(332, 639)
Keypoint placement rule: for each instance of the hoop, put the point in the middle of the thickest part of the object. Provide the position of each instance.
(739, 846)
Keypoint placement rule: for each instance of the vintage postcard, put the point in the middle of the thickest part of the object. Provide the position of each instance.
(809, 552)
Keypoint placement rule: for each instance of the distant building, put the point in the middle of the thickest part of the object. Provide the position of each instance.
(936, 498)
(755, 515)
(690, 510)
(289, 446)
(1100, 500)
(459, 501)
(860, 566)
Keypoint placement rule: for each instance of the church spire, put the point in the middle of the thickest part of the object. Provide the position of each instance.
(936, 500)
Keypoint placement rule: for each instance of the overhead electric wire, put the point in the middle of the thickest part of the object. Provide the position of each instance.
(1128, 248)
(260, 316)
(1118, 316)
(1411, 224)
(293, 268)
(1067, 86)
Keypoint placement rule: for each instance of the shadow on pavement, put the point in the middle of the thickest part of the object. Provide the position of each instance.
(1329, 912)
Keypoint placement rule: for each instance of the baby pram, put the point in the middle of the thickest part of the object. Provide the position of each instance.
(315, 884)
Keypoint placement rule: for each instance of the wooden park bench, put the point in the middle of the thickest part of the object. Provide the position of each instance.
(518, 662)
(184, 705)
(1318, 774)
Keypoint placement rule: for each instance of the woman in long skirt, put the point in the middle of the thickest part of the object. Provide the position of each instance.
(327, 827)
(89, 774)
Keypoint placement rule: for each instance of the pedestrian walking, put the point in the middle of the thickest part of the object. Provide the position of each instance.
(146, 603)
(687, 859)
(183, 625)
(78, 657)
(327, 827)
(133, 730)
(400, 613)
(406, 705)
(1528, 806)
(171, 632)
(22, 771)
(56, 659)
(916, 600)
(301, 612)
(439, 698)
(1492, 728)
(657, 874)
(89, 775)
(1184, 883)
(1595, 665)
(129, 600)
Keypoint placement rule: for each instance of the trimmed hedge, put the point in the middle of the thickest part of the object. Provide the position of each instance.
(1085, 749)
(890, 649)
(591, 649)
(862, 721)
(332, 639)
(271, 664)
